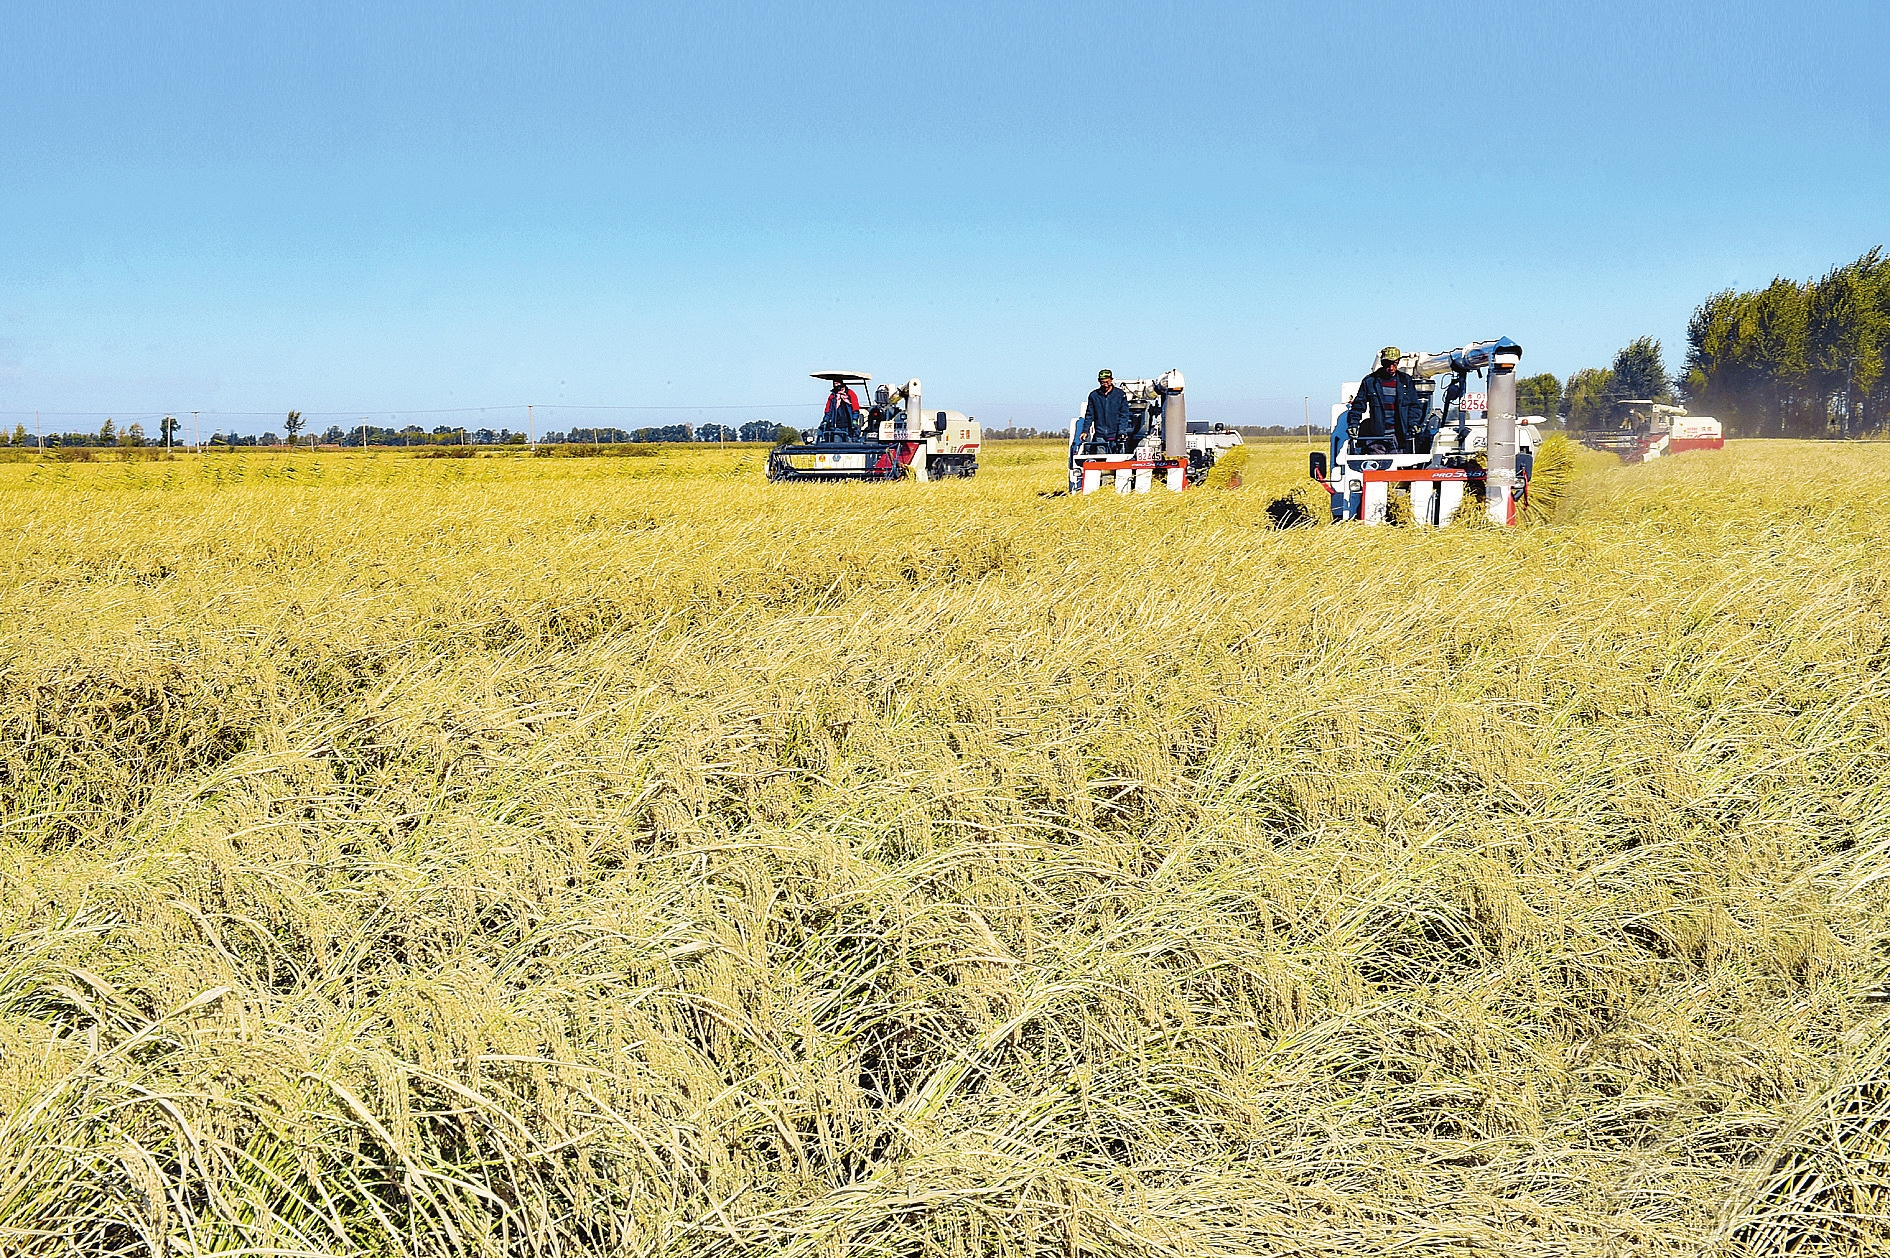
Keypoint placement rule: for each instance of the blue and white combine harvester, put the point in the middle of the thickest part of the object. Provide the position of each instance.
(1436, 455)
(1162, 446)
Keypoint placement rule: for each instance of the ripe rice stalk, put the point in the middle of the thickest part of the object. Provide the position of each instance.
(1826, 1187)
(626, 856)
(1549, 477)
(1226, 472)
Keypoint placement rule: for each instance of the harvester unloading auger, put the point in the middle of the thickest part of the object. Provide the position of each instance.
(1437, 454)
(892, 433)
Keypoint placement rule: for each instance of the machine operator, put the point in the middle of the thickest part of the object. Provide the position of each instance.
(841, 420)
(1106, 416)
(1385, 410)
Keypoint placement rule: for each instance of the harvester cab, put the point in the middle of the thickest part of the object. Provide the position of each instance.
(879, 437)
(1467, 442)
(1162, 443)
(1639, 429)
(840, 419)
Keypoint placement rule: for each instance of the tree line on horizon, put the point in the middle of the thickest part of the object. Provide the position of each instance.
(1796, 358)
(133, 436)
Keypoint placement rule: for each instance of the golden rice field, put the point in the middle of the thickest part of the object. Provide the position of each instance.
(625, 856)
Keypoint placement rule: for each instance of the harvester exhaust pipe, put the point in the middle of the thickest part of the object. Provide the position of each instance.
(1500, 487)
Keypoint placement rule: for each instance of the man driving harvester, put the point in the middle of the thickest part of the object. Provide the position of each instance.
(1106, 416)
(1385, 412)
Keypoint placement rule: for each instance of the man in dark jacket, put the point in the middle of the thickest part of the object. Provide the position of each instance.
(1385, 408)
(1106, 418)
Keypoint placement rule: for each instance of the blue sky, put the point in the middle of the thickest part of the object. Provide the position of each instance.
(401, 208)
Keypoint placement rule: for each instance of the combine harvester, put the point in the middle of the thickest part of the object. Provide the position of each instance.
(1436, 455)
(894, 433)
(1166, 444)
(1639, 431)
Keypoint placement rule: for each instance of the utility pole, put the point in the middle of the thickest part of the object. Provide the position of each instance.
(194, 444)
(364, 434)
(38, 436)
(531, 430)
(1308, 401)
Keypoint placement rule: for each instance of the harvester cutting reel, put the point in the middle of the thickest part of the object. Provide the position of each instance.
(880, 439)
(1161, 444)
(1435, 455)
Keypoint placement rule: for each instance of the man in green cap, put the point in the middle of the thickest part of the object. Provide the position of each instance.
(1106, 416)
(1385, 411)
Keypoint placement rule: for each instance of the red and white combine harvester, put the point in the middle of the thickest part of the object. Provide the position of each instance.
(881, 438)
(1436, 455)
(1639, 430)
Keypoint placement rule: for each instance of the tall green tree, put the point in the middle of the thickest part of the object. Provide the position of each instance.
(1585, 399)
(294, 423)
(1776, 348)
(1640, 371)
(1717, 379)
(1876, 397)
(1539, 395)
(1846, 330)
(1804, 359)
(107, 433)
